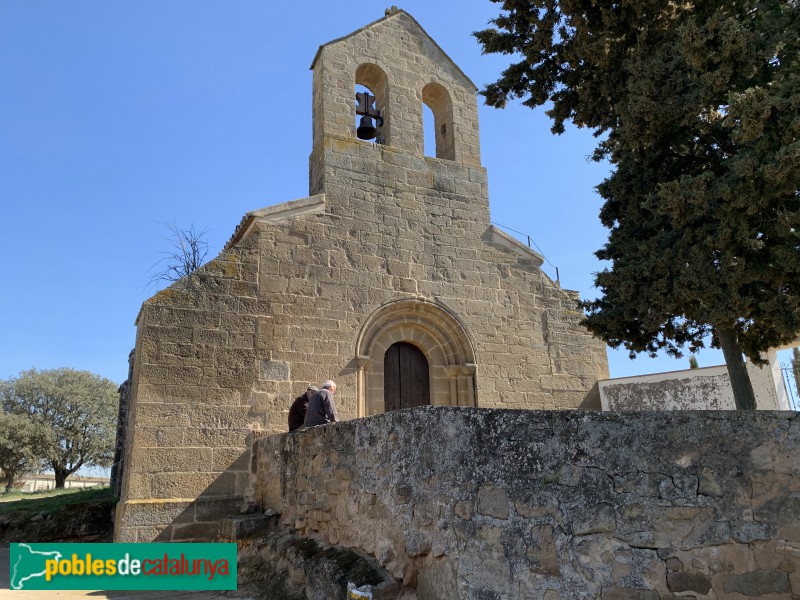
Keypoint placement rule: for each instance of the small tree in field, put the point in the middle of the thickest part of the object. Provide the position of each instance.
(189, 249)
(22, 443)
(76, 412)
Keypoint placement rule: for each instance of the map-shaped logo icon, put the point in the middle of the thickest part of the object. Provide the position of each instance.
(27, 564)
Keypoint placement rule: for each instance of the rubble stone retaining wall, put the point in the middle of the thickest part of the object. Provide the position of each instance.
(483, 503)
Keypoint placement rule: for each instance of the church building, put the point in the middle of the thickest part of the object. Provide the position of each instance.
(388, 278)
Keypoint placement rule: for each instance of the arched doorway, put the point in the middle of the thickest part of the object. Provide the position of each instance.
(406, 382)
(433, 330)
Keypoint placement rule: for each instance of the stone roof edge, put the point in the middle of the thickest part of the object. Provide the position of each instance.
(503, 239)
(276, 212)
(389, 16)
(666, 375)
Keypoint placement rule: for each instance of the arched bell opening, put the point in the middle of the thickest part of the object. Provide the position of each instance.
(428, 132)
(437, 99)
(371, 103)
(440, 338)
(406, 378)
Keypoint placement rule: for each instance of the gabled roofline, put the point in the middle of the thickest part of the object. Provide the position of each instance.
(274, 213)
(381, 20)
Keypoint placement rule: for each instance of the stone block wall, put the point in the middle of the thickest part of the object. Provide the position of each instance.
(191, 422)
(392, 247)
(501, 504)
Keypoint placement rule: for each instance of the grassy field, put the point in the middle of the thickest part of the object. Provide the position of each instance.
(21, 505)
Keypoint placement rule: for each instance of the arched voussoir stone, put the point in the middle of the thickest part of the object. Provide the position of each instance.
(433, 329)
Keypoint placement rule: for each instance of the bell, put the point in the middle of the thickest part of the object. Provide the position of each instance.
(366, 130)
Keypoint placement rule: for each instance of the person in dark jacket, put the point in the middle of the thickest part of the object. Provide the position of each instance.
(321, 408)
(297, 412)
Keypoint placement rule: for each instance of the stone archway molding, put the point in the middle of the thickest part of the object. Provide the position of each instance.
(432, 328)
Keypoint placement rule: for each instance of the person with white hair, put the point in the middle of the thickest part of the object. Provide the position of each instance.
(321, 409)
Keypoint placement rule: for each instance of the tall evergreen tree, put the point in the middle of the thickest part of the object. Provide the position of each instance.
(697, 105)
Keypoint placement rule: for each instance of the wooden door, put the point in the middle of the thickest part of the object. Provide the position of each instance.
(405, 377)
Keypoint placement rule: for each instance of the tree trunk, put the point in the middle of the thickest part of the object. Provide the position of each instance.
(737, 372)
(9, 481)
(61, 477)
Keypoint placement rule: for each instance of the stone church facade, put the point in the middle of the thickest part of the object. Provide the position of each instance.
(391, 255)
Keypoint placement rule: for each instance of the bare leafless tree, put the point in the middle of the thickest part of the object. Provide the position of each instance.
(188, 250)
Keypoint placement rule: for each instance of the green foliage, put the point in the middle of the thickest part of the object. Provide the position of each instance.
(22, 441)
(796, 368)
(693, 362)
(697, 105)
(77, 411)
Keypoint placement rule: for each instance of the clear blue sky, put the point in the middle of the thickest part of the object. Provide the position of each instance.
(117, 116)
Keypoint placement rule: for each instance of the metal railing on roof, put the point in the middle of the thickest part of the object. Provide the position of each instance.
(530, 241)
(790, 382)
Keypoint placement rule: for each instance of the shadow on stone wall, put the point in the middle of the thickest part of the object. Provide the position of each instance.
(174, 519)
(592, 400)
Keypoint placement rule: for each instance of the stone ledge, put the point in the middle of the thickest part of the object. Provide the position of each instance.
(246, 527)
(276, 212)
